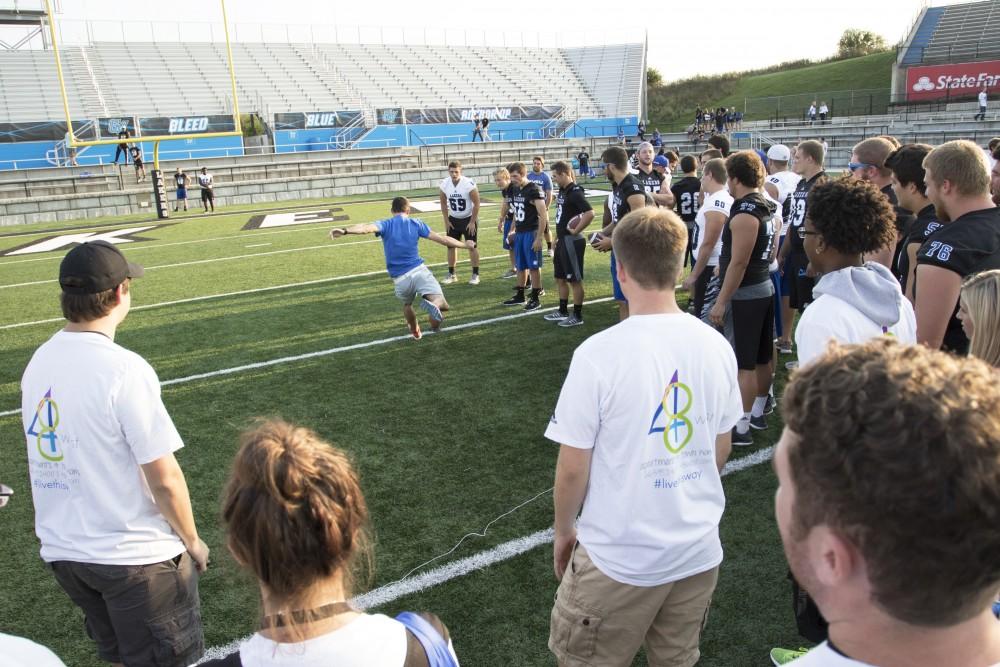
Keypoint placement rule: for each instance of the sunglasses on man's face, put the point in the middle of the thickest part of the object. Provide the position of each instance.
(854, 166)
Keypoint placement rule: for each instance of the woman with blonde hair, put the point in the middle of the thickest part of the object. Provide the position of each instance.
(296, 518)
(979, 312)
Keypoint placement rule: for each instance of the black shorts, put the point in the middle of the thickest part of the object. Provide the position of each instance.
(568, 260)
(138, 614)
(750, 329)
(698, 293)
(459, 229)
(800, 286)
(137, 163)
(207, 194)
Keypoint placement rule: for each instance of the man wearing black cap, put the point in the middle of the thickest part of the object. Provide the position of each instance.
(112, 509)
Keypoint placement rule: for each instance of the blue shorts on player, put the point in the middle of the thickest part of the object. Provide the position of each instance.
(525, 257)
(506, 234)
(616, 287)
(182, 193)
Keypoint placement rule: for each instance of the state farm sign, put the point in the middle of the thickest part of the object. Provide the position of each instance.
(961, 80)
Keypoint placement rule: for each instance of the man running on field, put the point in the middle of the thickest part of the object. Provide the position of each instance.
(400, 235)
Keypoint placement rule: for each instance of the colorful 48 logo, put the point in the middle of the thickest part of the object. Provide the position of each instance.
(43, 427)
(674, 406)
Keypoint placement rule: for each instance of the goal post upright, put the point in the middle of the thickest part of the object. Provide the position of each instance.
(73, 142)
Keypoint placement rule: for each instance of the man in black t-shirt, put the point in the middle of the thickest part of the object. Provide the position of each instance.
(908, 184)
(477, 130)
(958, 184)
(685, 192)
(583, 157)
(627, 195)
(531, 218)
(651, 179)
(868, 164)
(792, 259)
(744, 308)
(122, 148)
(140, 168)
(573, 215)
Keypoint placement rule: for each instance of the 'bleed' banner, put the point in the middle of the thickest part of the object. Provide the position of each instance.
(958, 81)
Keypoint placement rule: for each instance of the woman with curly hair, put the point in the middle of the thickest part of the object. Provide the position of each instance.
(979, 311)
(854, 301)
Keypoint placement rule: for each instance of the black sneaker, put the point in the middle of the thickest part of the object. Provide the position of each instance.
(742, 439)
(514, 301)
(758, 423)
(532, 304)
(769, 405)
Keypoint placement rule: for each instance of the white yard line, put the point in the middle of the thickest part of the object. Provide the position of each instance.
(397, 589)
(255, 290)
(345, 348)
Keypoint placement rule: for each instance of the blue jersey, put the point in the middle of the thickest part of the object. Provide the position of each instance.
(400, 235)
(543, 179)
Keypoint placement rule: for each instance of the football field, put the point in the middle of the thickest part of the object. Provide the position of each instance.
(255, 312)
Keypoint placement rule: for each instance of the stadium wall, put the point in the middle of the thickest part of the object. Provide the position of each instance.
(35, 154)
(603, 127)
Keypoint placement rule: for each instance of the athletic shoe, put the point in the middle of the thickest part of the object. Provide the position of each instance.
(433, 312)
(758, 423)
(514, 301)
(532, 304)
(769, 405)
(415, 331)
(551, 253)
(571, 321)
(555, 316)
(784, 347)
(541, 292)
(474, 280)
(791, 365)
(742, 439)
(511, 273)
(452, 278)
(783, 656)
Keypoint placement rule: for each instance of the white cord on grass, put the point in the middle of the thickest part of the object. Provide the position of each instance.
(468, 535)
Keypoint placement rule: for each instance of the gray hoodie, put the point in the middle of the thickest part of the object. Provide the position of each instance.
(871, 288)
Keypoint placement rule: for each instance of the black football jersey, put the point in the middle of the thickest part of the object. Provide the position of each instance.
(685, 193)
(570, 202)
(755, 205)
(798, 211)
(522, 204)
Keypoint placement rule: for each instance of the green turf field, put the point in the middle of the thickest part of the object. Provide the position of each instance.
(447, 432)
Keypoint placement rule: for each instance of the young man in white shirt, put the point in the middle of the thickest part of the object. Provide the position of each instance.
(983, 100)
(643, 422)
(892, 528)
(780, 185)
(207, 184)
(459, 199)
(709, 222)
(112, 509)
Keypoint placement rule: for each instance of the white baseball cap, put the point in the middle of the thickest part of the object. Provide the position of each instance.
(779, 152)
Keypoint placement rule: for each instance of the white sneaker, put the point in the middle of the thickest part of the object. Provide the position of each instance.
(552, 252)
(451, 278)
(474, 280)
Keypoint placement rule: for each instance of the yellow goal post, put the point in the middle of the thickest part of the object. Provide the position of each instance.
(73, 142)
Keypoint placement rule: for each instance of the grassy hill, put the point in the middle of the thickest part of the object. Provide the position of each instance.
(671, 106)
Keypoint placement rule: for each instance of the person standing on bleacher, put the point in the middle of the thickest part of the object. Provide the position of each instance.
(982, 105)
(122, 148)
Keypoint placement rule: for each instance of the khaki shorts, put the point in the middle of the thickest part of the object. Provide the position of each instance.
(599, 621)
(145, 615)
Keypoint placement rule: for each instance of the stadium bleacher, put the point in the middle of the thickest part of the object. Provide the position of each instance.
(955, 33)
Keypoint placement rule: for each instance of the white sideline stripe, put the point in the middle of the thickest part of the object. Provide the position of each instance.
(241, 293)
(256, 245)
(138, 245)
(391, 592)
(345, 348)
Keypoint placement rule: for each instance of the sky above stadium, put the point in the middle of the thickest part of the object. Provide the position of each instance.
(685, 38)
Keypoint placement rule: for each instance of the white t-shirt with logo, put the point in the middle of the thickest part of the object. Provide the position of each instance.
(649, 396)
(372, 640)
(206, 181)
(92, 415)
(717, 202)
(459, 196)
(982, 99)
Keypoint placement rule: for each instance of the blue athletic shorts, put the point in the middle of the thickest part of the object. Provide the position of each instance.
(506, 230)
(182, 193)
(526, 259)
(615, 287)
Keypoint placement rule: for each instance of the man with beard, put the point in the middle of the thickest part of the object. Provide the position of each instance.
(651, 179)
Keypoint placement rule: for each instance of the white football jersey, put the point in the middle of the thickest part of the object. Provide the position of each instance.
(784, 182)
(717, 202)
(778, 220)
(459, 196)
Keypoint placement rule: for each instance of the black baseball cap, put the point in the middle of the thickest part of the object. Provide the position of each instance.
(95, 267)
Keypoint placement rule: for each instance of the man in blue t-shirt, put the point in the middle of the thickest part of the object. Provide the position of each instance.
(400, 235)
(538, 175)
